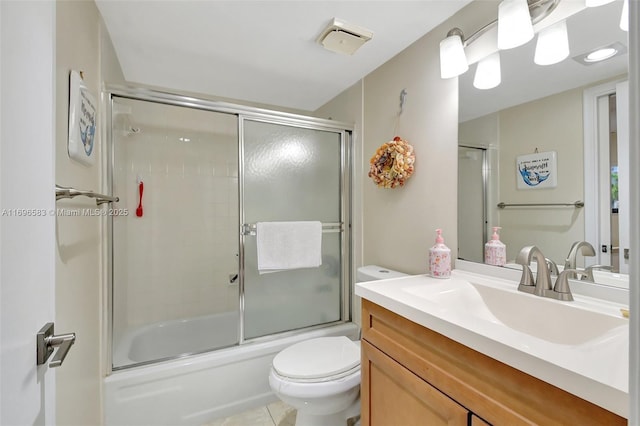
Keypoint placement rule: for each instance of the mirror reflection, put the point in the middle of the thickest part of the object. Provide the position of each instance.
(572, 115)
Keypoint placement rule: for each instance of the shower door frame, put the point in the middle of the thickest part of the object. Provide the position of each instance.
(345, 130)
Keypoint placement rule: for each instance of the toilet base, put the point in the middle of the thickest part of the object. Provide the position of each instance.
(304, 418)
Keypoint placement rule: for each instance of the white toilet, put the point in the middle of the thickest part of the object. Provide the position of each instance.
(321, 377)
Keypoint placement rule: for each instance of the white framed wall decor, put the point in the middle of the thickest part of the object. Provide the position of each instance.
(82, 121)
(537, 171)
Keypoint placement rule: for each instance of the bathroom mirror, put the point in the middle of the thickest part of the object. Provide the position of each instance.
(541, 109)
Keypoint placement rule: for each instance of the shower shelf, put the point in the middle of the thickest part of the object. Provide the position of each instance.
(68, 192)
(327, 227)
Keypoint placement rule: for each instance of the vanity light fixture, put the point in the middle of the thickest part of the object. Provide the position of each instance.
(488, 72)
(513, 16)
(624, 18)
(453, 61)
(514, 24)
(553, 44)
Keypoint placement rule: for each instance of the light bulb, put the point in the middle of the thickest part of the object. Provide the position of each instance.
(624, 18)
(514, 24)
(601, 54)
(488, 72)
(453, 60)
(553, 44)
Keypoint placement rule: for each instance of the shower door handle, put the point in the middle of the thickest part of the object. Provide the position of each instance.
(46, 341)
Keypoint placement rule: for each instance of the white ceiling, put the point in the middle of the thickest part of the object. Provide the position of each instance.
(524, 81)
(260, 51)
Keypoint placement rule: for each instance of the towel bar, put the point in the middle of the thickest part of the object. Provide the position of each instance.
(329, 227)
(68, 192)
(577, 204)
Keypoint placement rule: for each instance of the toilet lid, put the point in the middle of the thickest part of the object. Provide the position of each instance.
(316, 358)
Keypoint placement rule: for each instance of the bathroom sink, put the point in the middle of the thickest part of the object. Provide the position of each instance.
(550, 320)
(580, 346)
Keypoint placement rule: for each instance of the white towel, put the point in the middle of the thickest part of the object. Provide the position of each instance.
(288, 245)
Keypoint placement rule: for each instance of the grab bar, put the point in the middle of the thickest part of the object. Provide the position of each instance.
(578, 204)
(68, 192)
(328, 227)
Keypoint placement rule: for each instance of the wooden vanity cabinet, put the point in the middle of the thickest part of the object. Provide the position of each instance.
(414, 376)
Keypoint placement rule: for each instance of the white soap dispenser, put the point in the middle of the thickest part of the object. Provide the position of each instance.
(440, 258)
(495, 252)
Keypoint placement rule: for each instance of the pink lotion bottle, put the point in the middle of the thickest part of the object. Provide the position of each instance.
(440, 258)
(495, 252)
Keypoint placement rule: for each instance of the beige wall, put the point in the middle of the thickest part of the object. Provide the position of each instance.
(398, 225)
(347, 107)
(553, 123)
(79, 41)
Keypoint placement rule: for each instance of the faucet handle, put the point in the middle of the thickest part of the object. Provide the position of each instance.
(561, 289)
(588, 275)
(526, 280)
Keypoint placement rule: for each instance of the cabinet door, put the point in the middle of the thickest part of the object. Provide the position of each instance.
(393, 395)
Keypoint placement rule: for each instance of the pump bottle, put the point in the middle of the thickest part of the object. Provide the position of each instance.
(440, 258)
(495, 252)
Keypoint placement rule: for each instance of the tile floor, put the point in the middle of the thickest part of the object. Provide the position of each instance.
(274, 414)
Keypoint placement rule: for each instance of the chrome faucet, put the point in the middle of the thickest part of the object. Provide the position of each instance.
(588, 275)
(585, 248)
(542, 284)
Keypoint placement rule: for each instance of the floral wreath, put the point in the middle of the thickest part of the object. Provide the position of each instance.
(392, 163)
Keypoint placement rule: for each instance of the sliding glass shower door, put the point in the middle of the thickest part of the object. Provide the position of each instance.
(175, 253)
(193, 179)
(292, 174)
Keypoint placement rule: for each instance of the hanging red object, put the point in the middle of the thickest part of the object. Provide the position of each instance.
(139, 209)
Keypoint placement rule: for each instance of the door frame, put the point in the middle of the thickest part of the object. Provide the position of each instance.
(593, 214)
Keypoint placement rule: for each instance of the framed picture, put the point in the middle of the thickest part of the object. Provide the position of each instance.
(82, 121)
(537, 171)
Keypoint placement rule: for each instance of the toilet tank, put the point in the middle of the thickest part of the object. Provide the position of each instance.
(375, 272)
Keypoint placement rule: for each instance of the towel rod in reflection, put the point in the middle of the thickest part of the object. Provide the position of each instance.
(578, 204)
(250, 228)
(68, 192)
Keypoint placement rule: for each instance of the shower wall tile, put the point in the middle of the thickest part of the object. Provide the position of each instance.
(174, 262)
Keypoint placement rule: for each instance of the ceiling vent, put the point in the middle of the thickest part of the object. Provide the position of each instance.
(344, 38)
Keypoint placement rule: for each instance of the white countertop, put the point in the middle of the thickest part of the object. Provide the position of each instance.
(595, 370)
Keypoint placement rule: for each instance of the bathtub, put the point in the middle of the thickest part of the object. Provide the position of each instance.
(196, 389)
(169, 339)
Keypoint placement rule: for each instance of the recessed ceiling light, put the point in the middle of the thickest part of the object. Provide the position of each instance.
(601, 54)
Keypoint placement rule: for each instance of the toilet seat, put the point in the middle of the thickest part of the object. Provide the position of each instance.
(318, 360)
(314, 389)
